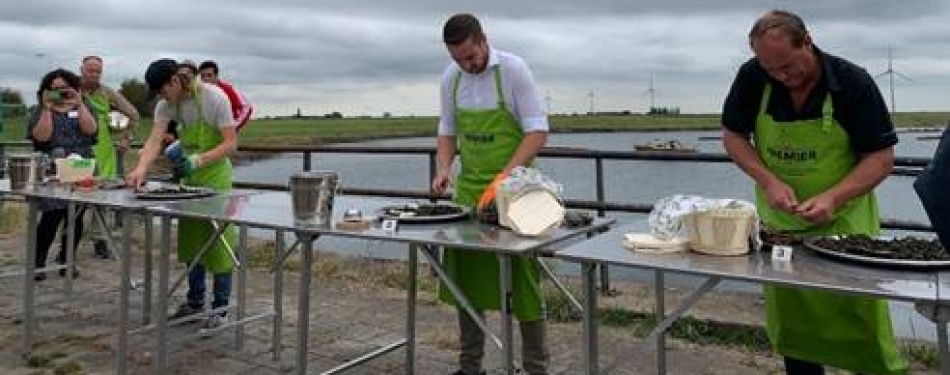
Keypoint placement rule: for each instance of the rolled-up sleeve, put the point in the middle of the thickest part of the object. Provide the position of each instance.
(526, 98)
(446, 106)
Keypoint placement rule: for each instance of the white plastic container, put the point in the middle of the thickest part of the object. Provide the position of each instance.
(533, 212)
(76, 169)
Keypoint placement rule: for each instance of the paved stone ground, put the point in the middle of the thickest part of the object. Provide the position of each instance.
(355, 308)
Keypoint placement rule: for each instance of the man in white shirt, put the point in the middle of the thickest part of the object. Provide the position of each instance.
(491, 113)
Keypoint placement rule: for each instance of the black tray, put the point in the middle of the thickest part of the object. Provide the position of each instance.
(185, 192)
(883, 262)
(385, 213)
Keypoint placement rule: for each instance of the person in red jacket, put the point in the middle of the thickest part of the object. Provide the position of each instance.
(240, 107)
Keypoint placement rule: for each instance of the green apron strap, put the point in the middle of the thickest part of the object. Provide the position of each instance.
(500, 93)
(766, 95)
(827, 113)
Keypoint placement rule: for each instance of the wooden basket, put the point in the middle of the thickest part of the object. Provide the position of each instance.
(723, 231)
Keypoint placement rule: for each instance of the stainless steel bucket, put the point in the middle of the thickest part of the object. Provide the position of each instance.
(26, 170)
(312, 194)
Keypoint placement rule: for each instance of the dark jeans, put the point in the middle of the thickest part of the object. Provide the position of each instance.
(799, 367)
(196, 288)
(50, 222)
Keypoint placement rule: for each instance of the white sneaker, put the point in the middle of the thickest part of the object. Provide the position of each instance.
(213, 321)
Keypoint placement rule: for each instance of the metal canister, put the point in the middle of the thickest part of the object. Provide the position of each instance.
(312, 194)
(26, 170)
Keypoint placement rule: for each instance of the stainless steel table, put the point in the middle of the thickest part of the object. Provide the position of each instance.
(805, 270)
(118, 200)
(273, 210)
(123, 201)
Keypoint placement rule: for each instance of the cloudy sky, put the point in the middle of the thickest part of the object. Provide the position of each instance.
(373, 56)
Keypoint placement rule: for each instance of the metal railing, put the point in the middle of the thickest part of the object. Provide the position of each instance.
(600, 205)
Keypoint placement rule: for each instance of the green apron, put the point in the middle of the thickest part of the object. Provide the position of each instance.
(840, 330)
(487, 139)
(195, 138)
(106, 163)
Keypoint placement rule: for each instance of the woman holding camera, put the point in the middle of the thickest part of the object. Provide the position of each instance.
(59, 125)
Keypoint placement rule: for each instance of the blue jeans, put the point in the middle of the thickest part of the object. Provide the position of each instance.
(196, 288)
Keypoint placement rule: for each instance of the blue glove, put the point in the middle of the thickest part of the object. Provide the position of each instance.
(174, 152)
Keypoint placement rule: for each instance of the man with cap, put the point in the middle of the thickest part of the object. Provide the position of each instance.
(207, 138)
(240, 107)
(491, 113)
(102, 99)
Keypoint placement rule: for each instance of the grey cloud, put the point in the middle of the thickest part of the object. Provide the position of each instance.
(360, 54)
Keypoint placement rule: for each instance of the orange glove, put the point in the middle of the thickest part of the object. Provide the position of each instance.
(489, 194)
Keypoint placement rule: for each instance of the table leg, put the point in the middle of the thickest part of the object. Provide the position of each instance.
(70, 245)
(161, 309)
(504, 271)
(303, 307)
(942, 343)
(241, 284)
(147, 270)
(278, 295)
(659, 287)
(411, 308)
(126, 271)
(28, 282)
(590, 317)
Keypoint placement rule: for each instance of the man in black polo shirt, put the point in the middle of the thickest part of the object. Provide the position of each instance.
(813, 132)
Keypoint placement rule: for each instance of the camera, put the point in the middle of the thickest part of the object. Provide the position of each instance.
(54, 95)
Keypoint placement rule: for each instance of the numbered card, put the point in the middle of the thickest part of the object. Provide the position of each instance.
(389, 225)
(782, 253)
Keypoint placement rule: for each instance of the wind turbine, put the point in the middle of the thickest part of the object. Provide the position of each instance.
(652, 92)
(890, 72)
(591, 96)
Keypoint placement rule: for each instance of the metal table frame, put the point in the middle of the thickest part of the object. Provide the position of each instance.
(98, 203)
(424, 240)
(928, 287)
(419, 238)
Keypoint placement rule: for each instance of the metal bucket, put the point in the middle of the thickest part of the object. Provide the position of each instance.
(312, 194)
(26, 170)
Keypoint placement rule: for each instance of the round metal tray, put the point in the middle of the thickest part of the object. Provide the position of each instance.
(883, 262)
(462, 214)
(191, 192)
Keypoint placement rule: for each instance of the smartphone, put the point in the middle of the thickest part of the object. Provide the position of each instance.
(54, 95)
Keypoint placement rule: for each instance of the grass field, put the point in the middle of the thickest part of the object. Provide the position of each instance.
(298, 131)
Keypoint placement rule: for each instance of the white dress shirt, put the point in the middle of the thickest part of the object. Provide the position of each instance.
(477, 91)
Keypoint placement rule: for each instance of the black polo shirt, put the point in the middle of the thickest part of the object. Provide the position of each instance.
(857, 102)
